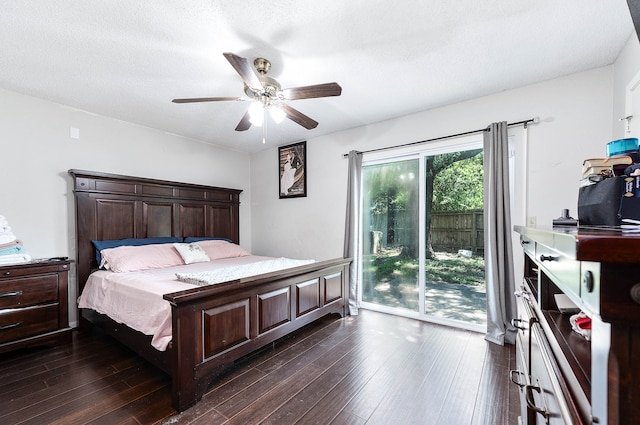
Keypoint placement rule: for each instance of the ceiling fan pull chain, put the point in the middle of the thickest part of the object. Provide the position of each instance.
(264, 126)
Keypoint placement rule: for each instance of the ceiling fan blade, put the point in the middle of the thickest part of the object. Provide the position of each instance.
(205, 99)
(244, 123)
(309, 92)
(243, 67)
(298, 117)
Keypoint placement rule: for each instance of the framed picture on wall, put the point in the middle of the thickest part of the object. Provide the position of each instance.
(292, 169)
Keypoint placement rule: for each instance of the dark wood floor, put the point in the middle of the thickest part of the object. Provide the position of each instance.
(369, 369)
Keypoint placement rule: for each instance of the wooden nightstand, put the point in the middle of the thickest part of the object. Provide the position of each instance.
(33, 304)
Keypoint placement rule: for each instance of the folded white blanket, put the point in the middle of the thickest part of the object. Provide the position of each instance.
(14, 259)
(7, 238)
(232, 273)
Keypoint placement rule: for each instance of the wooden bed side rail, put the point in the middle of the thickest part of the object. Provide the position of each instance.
(216, 325)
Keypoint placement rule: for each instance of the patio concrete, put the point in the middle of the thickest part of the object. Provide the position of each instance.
(466, 303)
(454, 301)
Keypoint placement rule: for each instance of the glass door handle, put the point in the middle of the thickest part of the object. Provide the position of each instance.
(515, 322)
(515, 377)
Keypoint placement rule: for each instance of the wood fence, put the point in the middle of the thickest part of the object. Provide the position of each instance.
(454, 230)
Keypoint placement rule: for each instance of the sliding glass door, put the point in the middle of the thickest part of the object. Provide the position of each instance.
(390, 260)
(422, 235)
(454, 279)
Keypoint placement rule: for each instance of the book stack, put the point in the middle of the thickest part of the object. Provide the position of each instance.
(630, 225)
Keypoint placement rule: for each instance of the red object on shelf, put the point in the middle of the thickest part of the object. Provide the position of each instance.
(584, 322)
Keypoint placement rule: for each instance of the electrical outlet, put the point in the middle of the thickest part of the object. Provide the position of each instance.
(74, 133)
(531, 221)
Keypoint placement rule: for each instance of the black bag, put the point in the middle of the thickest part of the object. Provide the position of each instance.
(607, 202)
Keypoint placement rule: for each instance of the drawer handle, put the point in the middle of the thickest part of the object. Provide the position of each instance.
(515, 377)
(635, 293)
(11, 294)
(7, 273)
(547, 257)
(11, 326)
(589, 282)
(528, 389)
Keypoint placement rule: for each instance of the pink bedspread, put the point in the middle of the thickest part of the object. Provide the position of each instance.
(135, 298)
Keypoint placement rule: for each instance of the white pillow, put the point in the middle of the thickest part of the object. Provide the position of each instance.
(191, 253)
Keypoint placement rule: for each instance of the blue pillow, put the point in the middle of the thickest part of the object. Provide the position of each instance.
(198, 239)
(114, 243)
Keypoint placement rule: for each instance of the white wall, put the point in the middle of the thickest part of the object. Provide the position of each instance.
(627, 67)
(575, 113)
(36, 152)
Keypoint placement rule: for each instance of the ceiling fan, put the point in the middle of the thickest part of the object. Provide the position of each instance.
(270, 95)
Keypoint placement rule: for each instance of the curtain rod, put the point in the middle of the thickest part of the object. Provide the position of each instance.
(466, 133)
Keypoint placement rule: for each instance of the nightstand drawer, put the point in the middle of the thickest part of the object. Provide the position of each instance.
(28, 291)
(25, 322)
(22, 270)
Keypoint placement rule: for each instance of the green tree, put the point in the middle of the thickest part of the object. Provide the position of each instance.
(459, 186)
(391, 189)
(434, 166)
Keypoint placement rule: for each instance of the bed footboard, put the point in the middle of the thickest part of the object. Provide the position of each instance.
(215, 325)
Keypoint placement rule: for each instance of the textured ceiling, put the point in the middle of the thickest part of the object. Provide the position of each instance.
(128, 59)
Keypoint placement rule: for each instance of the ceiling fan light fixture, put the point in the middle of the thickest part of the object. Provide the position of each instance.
(267, 93)
(256, 114)
(277, 114)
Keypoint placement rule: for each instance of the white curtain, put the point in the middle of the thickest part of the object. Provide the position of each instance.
(501, 308)
(352, 227)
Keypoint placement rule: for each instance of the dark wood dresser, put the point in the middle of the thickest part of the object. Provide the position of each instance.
(563, 377)
(34, 305)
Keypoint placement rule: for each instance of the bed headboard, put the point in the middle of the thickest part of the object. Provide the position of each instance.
(110, 206)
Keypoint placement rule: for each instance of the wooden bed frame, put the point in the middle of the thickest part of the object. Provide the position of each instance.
(213, 325)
